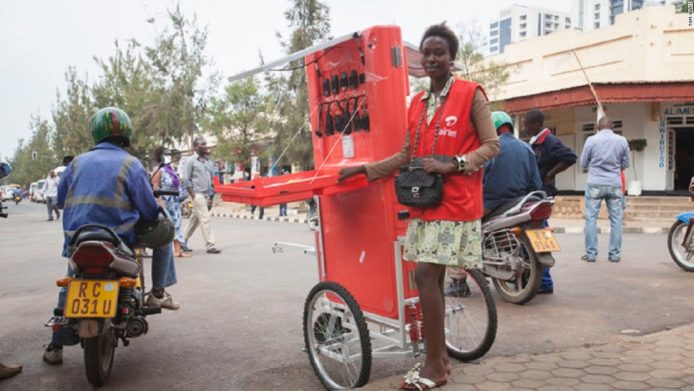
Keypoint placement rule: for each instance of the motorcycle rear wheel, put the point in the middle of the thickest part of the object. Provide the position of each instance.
(682, 257)
(521, 292)
(98, 356)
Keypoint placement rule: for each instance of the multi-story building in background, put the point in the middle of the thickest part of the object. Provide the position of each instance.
(594, 14)
(519, 23)
(640, 69)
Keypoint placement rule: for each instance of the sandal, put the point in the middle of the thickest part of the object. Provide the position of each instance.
(414, 382)
(183, 254)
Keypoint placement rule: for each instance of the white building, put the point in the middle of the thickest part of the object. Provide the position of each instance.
(594, 14)
(519, 23)
(641, 69)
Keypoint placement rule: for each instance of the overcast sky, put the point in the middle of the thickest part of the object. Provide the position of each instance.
(39, 39)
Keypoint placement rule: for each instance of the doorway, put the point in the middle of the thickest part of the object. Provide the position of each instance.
(684, 157)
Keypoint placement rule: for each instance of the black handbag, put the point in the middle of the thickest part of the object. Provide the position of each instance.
(414, 186)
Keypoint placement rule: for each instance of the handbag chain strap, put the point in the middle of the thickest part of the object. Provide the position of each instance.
(442, 106)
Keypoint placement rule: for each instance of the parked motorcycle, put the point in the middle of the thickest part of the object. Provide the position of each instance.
(680, 241)
(105, 300)
(517, 246)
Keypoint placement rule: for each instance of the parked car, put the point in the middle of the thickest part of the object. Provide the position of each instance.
(38, 194)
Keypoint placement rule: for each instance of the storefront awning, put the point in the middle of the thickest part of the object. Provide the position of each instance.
(608, 93)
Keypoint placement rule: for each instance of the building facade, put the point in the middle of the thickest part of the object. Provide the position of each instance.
(589, 15)
(640, 68)
(519, 23)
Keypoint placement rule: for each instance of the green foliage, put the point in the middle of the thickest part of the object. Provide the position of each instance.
(26, 170)
(310, 22)
(637, 144)
(240, 120)
(160, 86)
(470, 60)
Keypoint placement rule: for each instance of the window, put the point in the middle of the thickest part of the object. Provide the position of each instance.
(494, 25)
(523, 17)
(597, 6)
(596, 24)
(522, 26)
(567, 21)
(522, 34)
(494, 41)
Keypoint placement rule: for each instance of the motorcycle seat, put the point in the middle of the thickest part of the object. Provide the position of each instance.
(98, 235)
(503, 208)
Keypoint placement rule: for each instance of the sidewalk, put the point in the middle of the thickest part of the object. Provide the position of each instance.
(659, 361)
(297, 214)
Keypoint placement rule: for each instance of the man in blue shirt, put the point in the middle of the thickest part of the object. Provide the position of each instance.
(552, 158)
(513, 172)
(604, 156)
(108, 186)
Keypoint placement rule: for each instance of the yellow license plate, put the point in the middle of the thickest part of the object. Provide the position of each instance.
(543, 240)
(91, 299)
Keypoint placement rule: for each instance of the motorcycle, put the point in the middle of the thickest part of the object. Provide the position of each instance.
(2, 207)
(680, 241)
(17, 199)
(517, 246)
(105, 300)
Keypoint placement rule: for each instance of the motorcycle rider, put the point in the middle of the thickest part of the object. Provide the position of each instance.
(511, 174)
(108, 186)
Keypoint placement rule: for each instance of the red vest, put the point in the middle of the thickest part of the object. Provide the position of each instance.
(462, 194)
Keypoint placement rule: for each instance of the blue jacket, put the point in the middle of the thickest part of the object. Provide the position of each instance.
(105, 186)
(549, 152)
(512, 173)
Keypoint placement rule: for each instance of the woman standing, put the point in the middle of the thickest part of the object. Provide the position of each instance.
(448, 234)
(166, 178)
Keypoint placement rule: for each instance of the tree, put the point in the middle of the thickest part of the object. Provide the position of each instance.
(127, 83)
(26, 169)
(239, 119)
(178, 60)
(71, 115)
(310, 22)
(472, 64)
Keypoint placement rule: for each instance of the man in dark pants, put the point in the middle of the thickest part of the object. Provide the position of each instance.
(552, 157)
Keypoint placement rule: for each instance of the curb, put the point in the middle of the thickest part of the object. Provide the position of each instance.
(557, 229)
(248, 217)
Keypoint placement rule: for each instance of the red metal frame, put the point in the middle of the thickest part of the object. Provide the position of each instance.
(368, 78)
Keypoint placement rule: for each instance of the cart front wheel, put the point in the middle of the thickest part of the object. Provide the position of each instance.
(470, 318)
(337, 339)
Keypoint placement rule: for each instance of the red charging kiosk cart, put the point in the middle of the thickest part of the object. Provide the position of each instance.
(357, 87)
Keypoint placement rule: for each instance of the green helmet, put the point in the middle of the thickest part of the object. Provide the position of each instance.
(500, 118)
(155, 234)
(111, 122)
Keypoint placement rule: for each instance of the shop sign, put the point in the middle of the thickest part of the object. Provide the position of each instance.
(680, 110)
(661, 142)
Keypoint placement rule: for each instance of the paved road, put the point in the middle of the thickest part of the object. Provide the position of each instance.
(239, 327)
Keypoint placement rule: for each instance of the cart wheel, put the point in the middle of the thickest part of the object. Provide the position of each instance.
(470, 318)
(336, 337)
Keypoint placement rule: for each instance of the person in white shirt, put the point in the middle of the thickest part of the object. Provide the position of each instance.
(50, 194)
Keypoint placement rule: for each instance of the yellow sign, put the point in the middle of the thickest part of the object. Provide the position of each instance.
(91, 299)
(543, 240)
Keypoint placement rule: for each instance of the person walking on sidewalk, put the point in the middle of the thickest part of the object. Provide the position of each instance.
(50, 194)
(197, 177)
(604, 156)
(552, 157)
